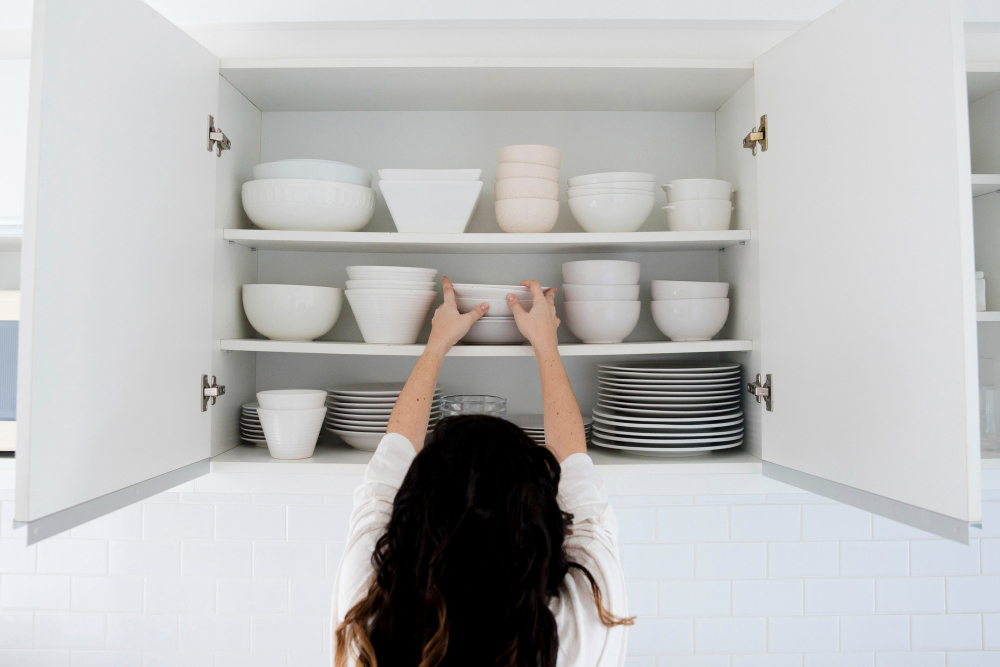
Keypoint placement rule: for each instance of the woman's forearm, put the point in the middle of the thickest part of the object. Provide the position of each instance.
(564, 433)
(412, 411)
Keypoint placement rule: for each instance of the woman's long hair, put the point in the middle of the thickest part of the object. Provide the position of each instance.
(470, 560)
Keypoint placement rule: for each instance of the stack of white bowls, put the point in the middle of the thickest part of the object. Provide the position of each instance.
(250, 429)
(359, 413)
(686, 310)
(534, 426)
(433, 201)
(617, 201)
(602, 299)
(390, 303)
(292, 420)
(309, 195)
(698, 205)
(292, 312)
(527, 188)
(497, 326)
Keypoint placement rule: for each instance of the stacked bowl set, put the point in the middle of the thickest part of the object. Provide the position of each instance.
(527, 188)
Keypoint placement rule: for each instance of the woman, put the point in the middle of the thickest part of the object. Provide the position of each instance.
(482, 548)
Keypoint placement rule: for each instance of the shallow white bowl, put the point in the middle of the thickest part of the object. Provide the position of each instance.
(602, 321)
(498, 306)
(526, 214)
(429, 174)
(525, 170)
(685, 189)
(518, 188)
(432, 207)
(405, 273)
(428, 286)
(494, 331)
(292, 312)
(549, 156)
(611, 177)
(601, 292)
(367, 442)
(611, 212)
(291, 434)
(686, 289)
(305, 205)
(484, 292)
(601, 272)
(644, 186)
(387, 317)
(699, 215)
(291, 399)
(313, 170)
(583, 192)
(690, 319)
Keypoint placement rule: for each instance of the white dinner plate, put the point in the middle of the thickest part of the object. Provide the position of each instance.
(630, 432)
(679, 366)
(668, 426)
(638, 400)
(665, 451)
(663, 416)
(671, 410)
(658, 382)
(636, 391)
(666, 442)
(686, 389)
(373, 389)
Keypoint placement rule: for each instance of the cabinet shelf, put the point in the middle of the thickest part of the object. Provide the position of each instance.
(988, 316)
(567, 350)
(484, 243)
(984, 184)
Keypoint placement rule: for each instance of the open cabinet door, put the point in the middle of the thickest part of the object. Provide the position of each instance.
(116, 324)
(866, 263)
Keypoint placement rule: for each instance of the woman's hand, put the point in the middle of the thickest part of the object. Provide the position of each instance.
(538, 325)
(448, 326)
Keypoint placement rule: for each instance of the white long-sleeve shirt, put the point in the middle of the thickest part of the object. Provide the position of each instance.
(592, 542)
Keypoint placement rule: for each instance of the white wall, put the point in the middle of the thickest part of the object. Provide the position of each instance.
(13, 135)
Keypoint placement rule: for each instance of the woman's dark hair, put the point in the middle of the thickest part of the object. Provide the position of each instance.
(471, 557)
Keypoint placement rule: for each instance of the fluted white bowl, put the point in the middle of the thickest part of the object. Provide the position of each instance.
(314, 170)
(525, 170)
(392, 317)
(685, 189)
(611, 212)
(602, 321)
(600, 292)
(405, 273)
(690, 319)
(699, 215)
(601, 272)
(423, 286)
(291, 399)
(687, 289)
(291, 434)
(550, 156)
(292, 312)
(308, 205)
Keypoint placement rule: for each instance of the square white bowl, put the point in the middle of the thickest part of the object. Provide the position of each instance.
(431, 207)
(430, 174)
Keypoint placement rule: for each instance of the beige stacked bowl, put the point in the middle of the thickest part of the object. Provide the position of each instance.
(527, 188)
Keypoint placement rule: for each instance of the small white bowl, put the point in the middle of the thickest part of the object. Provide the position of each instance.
(549, 156)
(313, 170)
(484, 292)
(525, 170)
(601, 292)
(611, 212)
(664, 290)
(699, 215)
(611, 177)
(405, 273)
(428, 286)
(494, 331)
(291, 434)
(292, 312)
(690, 319)
(527, 215)
(291, 399)
(498, 306)
(601, 272)
(602, 321)
(644, 186)
(519, 188)
(432, 207)
(429, 174)
(685, 189)
(308, 205)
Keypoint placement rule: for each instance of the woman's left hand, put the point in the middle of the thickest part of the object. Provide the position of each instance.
(448, 326)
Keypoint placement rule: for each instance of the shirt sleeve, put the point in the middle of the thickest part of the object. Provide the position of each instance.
(593, 543)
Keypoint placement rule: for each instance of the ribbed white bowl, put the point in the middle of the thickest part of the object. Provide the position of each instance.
(304, 205)
(291, 434)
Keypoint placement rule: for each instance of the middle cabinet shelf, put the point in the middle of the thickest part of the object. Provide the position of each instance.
(567, 350)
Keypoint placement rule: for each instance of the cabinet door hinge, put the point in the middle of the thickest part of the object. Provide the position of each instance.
(757, 137)
(761, 391)
(217, 139)
(210, 391)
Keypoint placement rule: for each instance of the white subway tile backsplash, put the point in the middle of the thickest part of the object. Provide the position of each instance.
(874, 633)
(730, 560)
(636, 524)
(688, 661)
(289, 559)
(15, 557)
(730, 635)
(802, 559)
(286, 499)
(757, 523)
(803, 634)
(105, 659)
(887, 529)
(840, 660)
(835, 522)
(309, 660)
(972, 659)
(322, 522)
(178, 659)
(178, 522)
(660, 636)
(640, 661)
(947, 632)
(16, 629)
(75, 630)
(910, 595)
(34, 591)
(125, 523)
(121, 594)
(990, 556)
(142, 632)
(180, 595)
(215, 498)
(287, 633)
(692, 523)
(944, 557)
(910, 659)
(72, 556)
(213, 632)
(724, 499)
(874, 559)
(254, 596)
(33, 658)
(250, 522)
(991, 519)
(310, 596)
(334, 554)
(840, 596)
(144, 557)
(767, 660)
(991, 632)
(973, 594)
(255, 659)
(642, 598)
(658, 561)
(217, 559)
(767, 597)
(694, 598)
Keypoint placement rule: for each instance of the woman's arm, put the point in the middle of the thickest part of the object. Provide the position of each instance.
(563, 424)
(412, 411)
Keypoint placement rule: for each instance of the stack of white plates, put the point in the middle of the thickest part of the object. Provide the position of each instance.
(534, 426)
(250, 429)
(390, 303)
(668, 408)
(359, 413)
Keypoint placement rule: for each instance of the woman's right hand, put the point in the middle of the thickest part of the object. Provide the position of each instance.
(540, 324)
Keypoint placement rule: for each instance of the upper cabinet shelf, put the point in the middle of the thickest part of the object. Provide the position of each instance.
(984, 184)
(485, 243)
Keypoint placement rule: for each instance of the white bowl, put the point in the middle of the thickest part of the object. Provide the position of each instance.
(611, 177)
(699, 215)
(313, 170)
(602, 321)
(428, 286)
(531, 153)
(429, 174)
(484, 292)
(291, 399)
(690, 319)
(601, 272)
(498, 306)
(685, 189)
(366, 442)
(519, 188)
(433, 207)
(494, 331)
(291, 434)
(292, 312)
(664, 290)
(583, 192)
(525, 170)
(601, 292)
(416, 296)
(644, 186)
(527, 214)
(306, 205)
(611, 212)
(390, 317)
(405, 273)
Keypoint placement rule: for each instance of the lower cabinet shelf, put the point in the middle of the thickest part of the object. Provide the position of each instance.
(568, 350)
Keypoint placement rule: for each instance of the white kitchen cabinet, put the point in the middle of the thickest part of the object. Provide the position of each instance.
(135, 243)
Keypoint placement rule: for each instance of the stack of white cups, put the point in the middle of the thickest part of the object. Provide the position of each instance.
(602, 299)
(527, 188)
(686, 310)
(292, 419)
